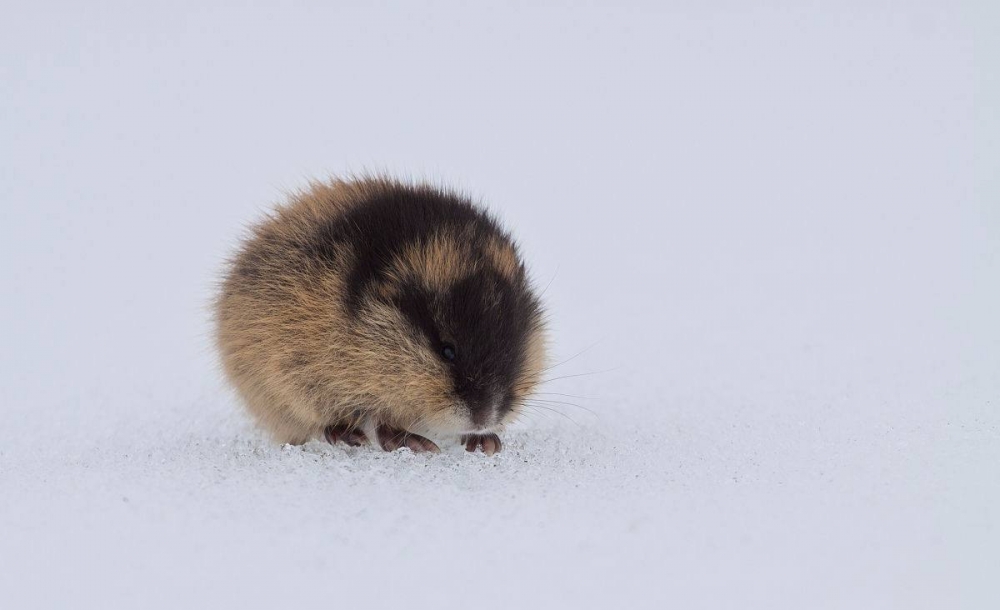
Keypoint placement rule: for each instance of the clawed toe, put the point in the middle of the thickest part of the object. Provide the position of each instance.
(345, 434)
(390, 439)
(489, 443)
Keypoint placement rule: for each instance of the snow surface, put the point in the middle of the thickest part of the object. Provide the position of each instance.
(773, 233)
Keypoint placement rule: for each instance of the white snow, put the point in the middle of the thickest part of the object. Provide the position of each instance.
(774, 234)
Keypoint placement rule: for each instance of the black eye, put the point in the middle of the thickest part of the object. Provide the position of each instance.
(448, 352)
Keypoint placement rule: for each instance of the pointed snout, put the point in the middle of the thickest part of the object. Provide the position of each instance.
(485, 412)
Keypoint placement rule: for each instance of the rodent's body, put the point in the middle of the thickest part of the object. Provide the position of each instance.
(372, 303)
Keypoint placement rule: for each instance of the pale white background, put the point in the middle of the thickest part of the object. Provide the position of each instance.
(775, 227)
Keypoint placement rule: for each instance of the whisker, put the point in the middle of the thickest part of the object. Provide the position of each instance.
(528, 410)
(538, 412)
(562, 402)
(578, 375)
(552, 279)
(557, 412)
(544, 381)
(564, 414)
(561, 394)
(576, 355)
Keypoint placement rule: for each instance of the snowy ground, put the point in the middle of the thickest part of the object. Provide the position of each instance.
(774, 234)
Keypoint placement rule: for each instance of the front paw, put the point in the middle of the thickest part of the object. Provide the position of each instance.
(355, 437)
(489, 443)
(390, 439)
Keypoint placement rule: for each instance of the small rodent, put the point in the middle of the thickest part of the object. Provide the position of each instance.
(372, 307)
